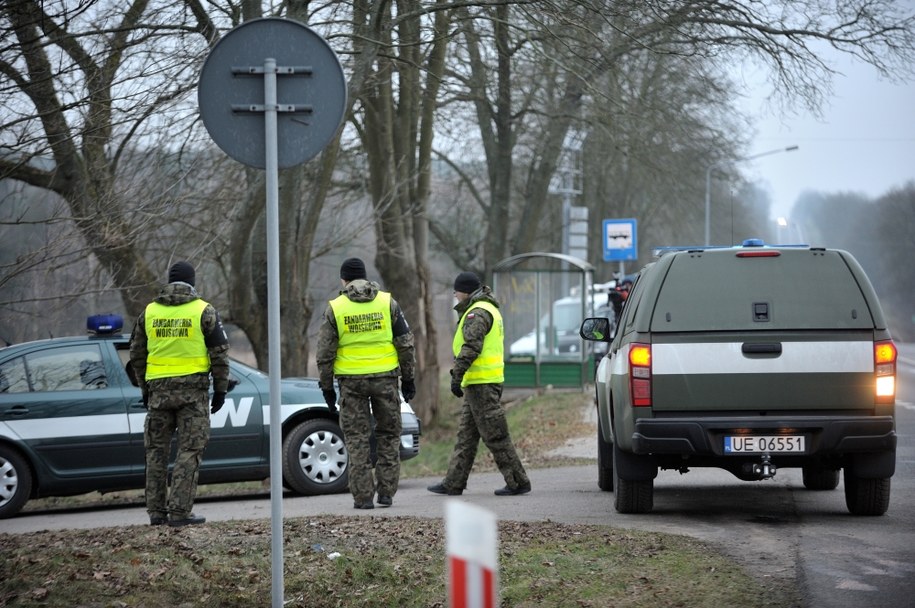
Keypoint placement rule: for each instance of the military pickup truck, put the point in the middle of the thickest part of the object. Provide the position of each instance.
(749, 359)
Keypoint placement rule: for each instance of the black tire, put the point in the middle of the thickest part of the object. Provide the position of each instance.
(15, 482)
(604, 462)
(315, 459)
(631, 496)
(866, 496)
(818, 478)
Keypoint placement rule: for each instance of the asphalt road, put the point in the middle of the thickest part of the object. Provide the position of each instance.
(775, 528)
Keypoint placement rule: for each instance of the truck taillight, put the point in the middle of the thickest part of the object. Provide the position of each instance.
(640, 374)
(885, 371)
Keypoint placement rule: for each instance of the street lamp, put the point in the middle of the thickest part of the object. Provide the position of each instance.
(708, 184)
(784, 224)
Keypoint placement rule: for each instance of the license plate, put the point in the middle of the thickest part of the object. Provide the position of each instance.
(769, 444)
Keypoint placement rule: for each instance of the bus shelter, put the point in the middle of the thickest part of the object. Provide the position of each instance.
(544, 297)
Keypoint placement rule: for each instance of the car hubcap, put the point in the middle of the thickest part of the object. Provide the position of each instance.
(9, 481)
(323, 457)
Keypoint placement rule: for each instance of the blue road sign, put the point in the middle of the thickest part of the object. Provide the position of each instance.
(620, 241)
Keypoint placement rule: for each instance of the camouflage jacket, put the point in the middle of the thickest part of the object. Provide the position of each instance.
(362, 290)
(214, 335)
(476, 326)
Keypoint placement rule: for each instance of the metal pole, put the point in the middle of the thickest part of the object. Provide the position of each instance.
(566, 220)
(273, 329)
(708, 185)
(708, 203)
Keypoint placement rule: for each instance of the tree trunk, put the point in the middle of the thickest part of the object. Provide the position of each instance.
(397, 138)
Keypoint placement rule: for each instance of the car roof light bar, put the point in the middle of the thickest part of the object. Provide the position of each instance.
(104, 324)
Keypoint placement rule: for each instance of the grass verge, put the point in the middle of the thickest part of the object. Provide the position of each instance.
(366, 561)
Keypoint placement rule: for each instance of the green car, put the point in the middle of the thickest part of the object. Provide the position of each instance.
(71, 422)
(748, 359)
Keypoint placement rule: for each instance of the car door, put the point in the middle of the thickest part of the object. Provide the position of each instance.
(237, 431)
(136, 409)
(64, 409)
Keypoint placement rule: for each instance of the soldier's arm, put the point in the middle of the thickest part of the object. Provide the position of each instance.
(326, 351)
(138, 351)
(403, 342)
(217, 342)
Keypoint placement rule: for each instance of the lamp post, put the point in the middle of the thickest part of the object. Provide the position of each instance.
(708, 184)
(788, 227)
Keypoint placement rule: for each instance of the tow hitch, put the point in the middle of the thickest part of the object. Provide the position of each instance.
(765, 469)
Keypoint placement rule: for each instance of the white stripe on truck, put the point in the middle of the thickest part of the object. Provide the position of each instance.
(796, 358)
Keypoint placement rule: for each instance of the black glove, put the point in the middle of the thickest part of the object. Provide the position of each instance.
(330, 398)
(219, 399)
(408, 388)
(456, 388)
(146, 400)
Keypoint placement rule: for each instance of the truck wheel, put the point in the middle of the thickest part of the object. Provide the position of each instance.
(818, 478)
(631, 496)
(315, 458)
(604, 462)
(866, 496)
(15, 482)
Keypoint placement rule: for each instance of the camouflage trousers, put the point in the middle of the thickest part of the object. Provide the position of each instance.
(186, 411)
(361, 399)
(482, 417)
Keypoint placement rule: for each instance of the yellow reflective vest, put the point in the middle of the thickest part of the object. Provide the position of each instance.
(489, 366)
(365, 344)
(174, 340)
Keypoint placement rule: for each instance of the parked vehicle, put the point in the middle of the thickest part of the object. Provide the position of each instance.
(559, 327)
(71, 422)
(749, 359)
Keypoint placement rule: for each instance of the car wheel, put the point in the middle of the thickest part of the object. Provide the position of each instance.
(315, 458)
(866, 496)
(631, 496)
(15, 482)
(604, 462)
(818, 478)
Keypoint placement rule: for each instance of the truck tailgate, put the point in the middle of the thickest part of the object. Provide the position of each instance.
(763, 372)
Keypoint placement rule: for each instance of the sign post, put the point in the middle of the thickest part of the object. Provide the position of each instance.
(241, 71)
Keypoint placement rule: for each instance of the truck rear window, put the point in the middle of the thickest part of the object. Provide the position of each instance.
(717, 291)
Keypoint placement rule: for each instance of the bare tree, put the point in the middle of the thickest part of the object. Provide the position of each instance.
(891, 237)
(645, 149)
(99, 113)
(401, 50)
(96, 108)
(548, 61)
(877, 232)
(82, 84)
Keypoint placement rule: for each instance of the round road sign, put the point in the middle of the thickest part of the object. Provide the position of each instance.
(310, 92)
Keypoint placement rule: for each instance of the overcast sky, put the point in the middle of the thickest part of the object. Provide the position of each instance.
(864, 142)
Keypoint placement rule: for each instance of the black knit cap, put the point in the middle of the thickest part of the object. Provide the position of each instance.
(467, 282)
(352, 269)
(182, 271)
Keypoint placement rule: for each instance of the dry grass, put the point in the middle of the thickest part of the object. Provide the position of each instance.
(354, 561)
(357, 561)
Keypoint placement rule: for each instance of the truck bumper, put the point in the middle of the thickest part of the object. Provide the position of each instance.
(826, 436)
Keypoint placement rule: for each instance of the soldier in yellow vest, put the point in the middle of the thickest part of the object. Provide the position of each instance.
(177, 343)
(478, 376)
(365, 343)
